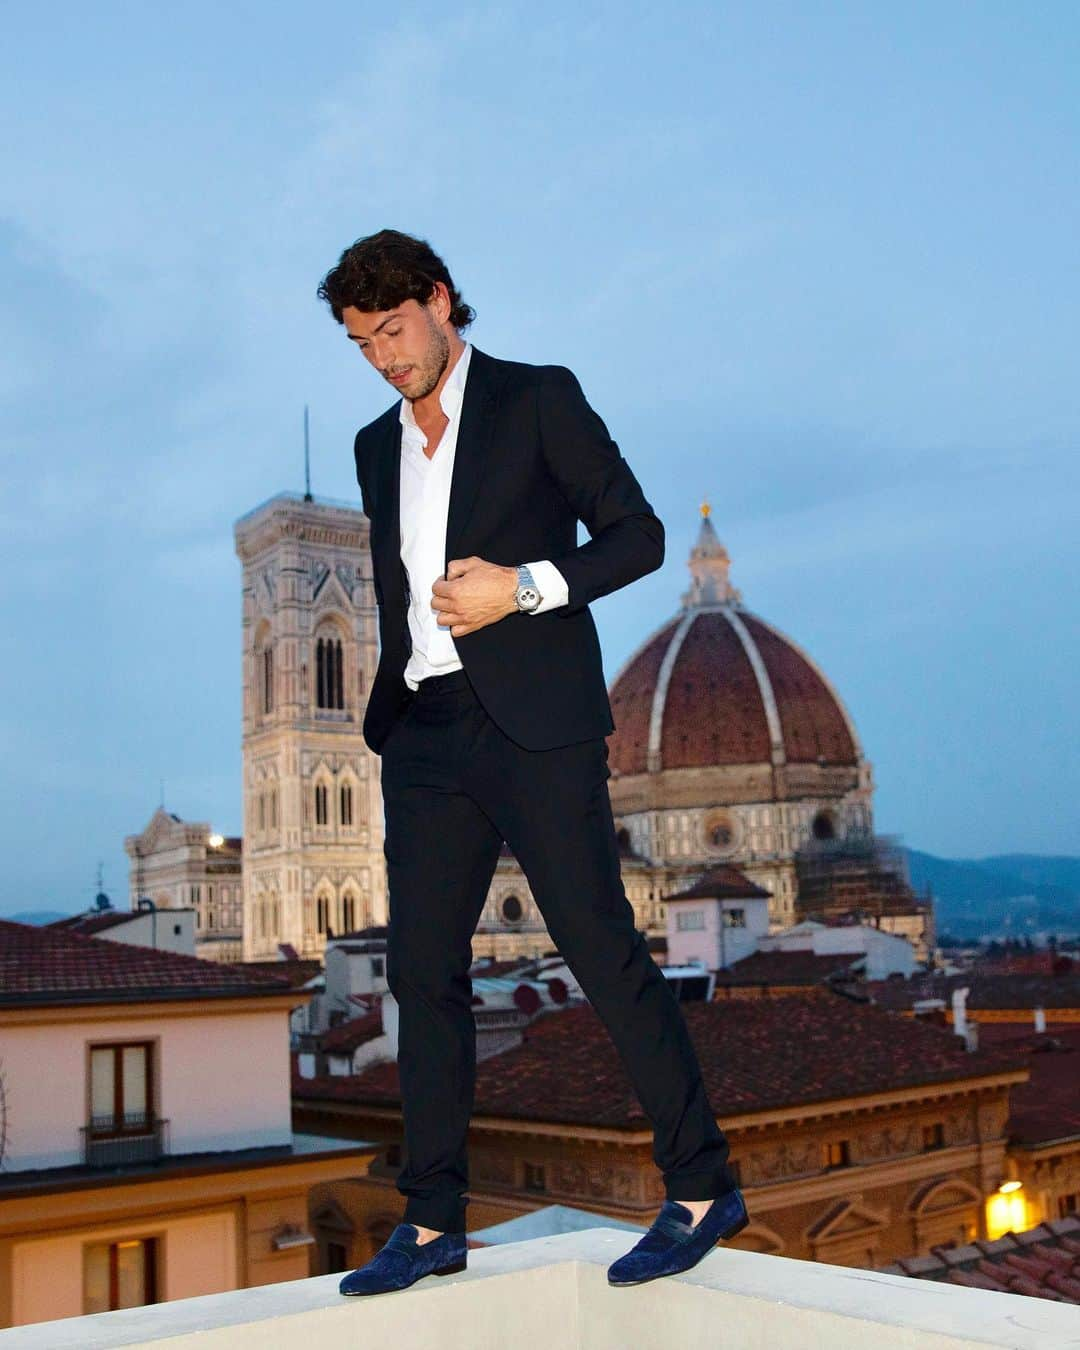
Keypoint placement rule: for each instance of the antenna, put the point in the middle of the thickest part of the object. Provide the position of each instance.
(101, 876)
(161, 782)
(307, 458)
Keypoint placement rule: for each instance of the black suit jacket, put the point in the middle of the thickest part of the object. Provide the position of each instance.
(532, 459)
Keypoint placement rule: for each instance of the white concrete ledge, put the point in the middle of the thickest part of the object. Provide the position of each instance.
(554, 1292)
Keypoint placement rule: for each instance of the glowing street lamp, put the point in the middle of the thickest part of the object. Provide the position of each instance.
(1006, 1210)
(216, 840)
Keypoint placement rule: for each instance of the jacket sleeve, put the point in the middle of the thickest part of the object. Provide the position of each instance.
(365, 498)
(358, 456)
(627, 537)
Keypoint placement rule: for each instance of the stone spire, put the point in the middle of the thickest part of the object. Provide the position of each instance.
(709, 564)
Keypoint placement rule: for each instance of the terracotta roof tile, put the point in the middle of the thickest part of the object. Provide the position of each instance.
(1047, 1106)
(631, 704)
(94, 921)
(788, 968)
(988, 991)
(811, 721)
(1042, 1262)
(349, 1036)
(43, 966)
(714, 712)
(756, 1054)
(296, 971)
(723, 882)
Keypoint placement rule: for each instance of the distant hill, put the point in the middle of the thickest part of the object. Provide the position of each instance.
(1037, 871)
(1008, 896)
(37, 916)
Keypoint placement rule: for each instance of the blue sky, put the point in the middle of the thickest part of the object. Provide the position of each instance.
(814, 262)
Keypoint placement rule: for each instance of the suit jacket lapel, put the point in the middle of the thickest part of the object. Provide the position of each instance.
(473, 449)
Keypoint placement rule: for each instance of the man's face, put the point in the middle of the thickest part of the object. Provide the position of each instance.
(406, 345)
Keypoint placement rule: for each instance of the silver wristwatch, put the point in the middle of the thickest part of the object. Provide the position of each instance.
(527, 596)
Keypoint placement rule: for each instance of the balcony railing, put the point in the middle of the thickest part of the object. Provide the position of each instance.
(120, 1141)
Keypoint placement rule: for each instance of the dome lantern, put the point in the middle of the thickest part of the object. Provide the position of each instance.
(709, 564)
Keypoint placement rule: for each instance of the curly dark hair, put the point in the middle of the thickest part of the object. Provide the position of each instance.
(384, 270)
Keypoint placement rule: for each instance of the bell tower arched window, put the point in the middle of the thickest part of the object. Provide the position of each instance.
(263, 671)
(268, 679)
(329, 673)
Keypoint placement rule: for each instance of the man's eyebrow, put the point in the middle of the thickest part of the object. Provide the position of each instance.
(357, 337)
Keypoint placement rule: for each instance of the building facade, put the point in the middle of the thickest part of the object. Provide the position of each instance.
(184, 864)
(158, 1161)
(858, 1137)
(312, 805)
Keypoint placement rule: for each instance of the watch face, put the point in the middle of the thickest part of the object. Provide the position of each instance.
(528, 597)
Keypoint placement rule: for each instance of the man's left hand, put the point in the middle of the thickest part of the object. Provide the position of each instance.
(473, 594)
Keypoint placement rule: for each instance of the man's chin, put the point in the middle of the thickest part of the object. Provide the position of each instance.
(413, 388)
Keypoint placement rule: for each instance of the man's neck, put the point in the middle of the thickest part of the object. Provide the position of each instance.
(429, 408)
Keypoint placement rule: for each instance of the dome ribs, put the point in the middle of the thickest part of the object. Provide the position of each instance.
(814, 726)
(714, 712)
(631, 704)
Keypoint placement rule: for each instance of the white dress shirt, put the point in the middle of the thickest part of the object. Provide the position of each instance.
(425, 501)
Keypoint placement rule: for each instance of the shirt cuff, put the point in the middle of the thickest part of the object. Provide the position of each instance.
(551, 584)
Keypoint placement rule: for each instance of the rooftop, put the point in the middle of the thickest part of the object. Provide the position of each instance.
(46, 1180)
(296, 971)
(789, 968)
(554, 1292)
(1045, 1109)
(349, 1036)
(46, 966)
(721, 883)
(756, 1054)
(988, 991)
(96, 921)
(1043, 1262)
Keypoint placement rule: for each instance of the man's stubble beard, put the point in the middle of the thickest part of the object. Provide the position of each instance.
(435, 362)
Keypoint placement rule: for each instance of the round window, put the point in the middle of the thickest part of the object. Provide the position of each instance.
(824, 826)
(721, 831)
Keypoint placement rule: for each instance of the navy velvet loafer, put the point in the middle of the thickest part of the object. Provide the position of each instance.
(402, 1261)
(676, 1243)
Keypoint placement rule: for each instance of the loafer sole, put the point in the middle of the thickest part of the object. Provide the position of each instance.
(453, 1269)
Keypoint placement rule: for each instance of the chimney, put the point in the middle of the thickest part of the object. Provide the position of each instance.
(962, 1024)
(388, 1006)
(959, 1011)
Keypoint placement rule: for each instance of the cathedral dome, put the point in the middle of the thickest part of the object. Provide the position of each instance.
(718, 686)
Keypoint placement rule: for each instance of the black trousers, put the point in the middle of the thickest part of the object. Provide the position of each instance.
(454, 787)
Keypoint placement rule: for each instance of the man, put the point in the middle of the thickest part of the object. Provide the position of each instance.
(490, 711)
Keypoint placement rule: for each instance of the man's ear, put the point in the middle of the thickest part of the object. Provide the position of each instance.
(439, 301)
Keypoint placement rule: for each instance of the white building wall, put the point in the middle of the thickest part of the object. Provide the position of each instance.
(221, 1080)
(716, 944)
